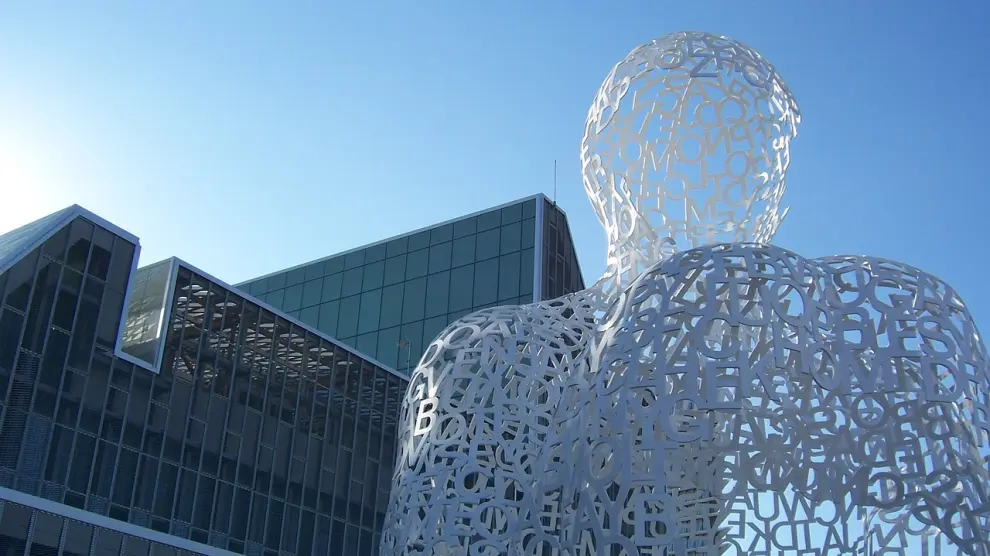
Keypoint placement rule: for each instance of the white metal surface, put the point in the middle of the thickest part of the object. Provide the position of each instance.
(708, 395)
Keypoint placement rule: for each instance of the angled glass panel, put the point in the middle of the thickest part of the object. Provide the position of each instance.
(440, 257)
(486, 282)
(352, 281)
(462, 251)
(487, 246)
(373, 275)
(461, 288)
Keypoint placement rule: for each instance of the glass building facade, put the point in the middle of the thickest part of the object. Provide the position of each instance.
(390, 299)
(160, 411)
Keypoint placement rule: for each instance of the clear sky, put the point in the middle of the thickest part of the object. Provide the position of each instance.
(250, 136)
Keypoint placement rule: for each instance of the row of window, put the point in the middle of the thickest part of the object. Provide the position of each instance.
(265, 409)
(498, 280)
(463, 242)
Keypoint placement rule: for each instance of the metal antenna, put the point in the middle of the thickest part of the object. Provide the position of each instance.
(555, 182)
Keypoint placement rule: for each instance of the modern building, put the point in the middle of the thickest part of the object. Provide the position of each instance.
(159, 411)
(391, 298)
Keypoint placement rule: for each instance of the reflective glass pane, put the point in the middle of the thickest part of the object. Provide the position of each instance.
(311, 316)
(528, 233)
(432, 328)
(396, 247)
(374, 253)
(441, 234)
(331, 287)
(489, 220)
(348, 320)
(352, 281)
(411, 333)
(419, 240)
(417, 263)
(295, 276)
(314, 271)
(511, 238)
(354, 259)
(413, 300)
(440, 257)
(526, 271)
(512, 213)
(371, 306)
(293, 298)
(334, 265)
(391, 306)
(388, 346)
(462, 252)
(508, 276)
(367, 343)
(529, 209)
(487, 246)
(373, 275)
(486, 282)
(437, 294)
(312, 293)
(461, 288)
(395, 270)
(466, 227)
(276, 282)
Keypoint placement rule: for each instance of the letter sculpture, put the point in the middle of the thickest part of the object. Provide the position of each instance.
(712, 393)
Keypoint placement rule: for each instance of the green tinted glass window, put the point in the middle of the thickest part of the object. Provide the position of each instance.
(311, 316)
(462, 252)
(314, 271)
(526, 272)
(328, 318)
(489, 220)
(440, 257)
(348, 320)
(312, 291)
(511, 238)
(461, 288)
(397, 247)
(275, 298)
(354, 259)
(371, 308)
(276, 282)
(413, 300)
(420, 240)
(508, 276)
(487, 246)
(352, 281)
(411, 334)
(512, 213)
(295, 276)
(334, 265)
(260, 287)
(388, 346)
(486, 282)
(437, 294)
(528, 233)
(432, 328)
(417, 263)
(374, 274)
(466, 227)
(529, 209)
(395, 270)
(374, 253)
(367, 343)
(391, 306)
(331, 287)
(441, 234)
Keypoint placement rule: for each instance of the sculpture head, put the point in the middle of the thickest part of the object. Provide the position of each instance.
(687, 144)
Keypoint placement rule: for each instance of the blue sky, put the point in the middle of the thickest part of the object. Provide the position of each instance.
(250, 136)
